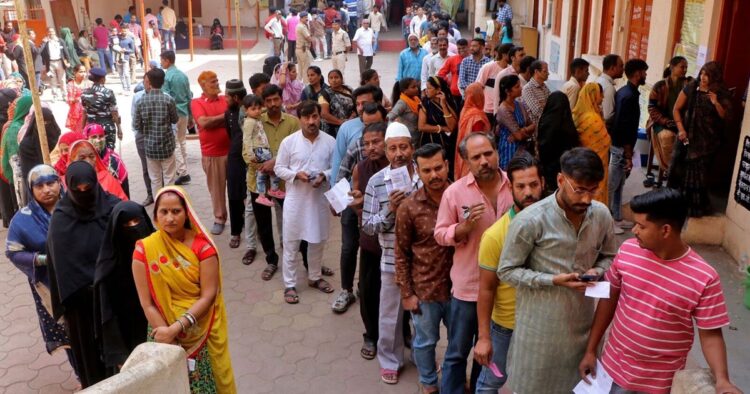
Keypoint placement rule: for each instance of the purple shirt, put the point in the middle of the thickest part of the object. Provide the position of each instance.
(101, 37)
(291, 24)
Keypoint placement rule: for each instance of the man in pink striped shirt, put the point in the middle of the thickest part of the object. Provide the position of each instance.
(658, 287)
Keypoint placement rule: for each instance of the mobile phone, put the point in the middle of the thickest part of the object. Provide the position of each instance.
(588, 278)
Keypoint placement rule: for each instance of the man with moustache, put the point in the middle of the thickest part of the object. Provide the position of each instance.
(549, 246)
(355, 153)
(381, 201)
(497, 300)
(468, 208)
(422, 266)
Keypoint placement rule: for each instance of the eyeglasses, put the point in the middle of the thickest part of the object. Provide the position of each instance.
(579, 191)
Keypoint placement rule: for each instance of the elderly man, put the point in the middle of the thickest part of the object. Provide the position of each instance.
(548, 247)
(365, 39)
(469, 207)
(55, 59)
(410, 60)
(208, 112)
(304, 163)
(381, 201)
(535, 93)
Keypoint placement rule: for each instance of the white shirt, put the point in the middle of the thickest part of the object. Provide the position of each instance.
(364, 39)
(306, 210)
(608, 88)
(55, 49)
(431, 64)
(274, 27)
(377, 21)
(571, 89)
(416, 25)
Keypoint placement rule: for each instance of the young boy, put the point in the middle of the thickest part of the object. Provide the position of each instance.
(256, 150)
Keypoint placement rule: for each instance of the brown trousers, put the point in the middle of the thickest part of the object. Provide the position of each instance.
(216, 179)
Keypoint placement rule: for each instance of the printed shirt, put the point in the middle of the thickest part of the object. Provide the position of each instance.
(652, 330)
(177, 86)
(490, 249)
(99, 102)
(504, 13)
(378, 219)
(410, 64)
(469, 70)
(214, 142)
(535, 95)
(466, 192)
(422, 266)
(154, 116)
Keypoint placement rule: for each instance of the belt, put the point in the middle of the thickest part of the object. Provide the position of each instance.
(55, 60)
(338, 53)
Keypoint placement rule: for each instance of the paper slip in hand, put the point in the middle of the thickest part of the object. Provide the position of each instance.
(602, 384)
(598, 290)
(401, 180)
(338, 196)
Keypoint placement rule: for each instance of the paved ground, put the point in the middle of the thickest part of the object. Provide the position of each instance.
(275, 347)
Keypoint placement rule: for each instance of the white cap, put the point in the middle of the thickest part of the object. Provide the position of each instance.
(396, 130)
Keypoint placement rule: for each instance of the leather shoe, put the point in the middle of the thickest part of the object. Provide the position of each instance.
(182, 180)
(148, 201)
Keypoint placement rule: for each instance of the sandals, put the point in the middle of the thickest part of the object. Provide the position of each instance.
(368, 351)
(234, 242)
(269, 271)
(249, 257)
(290, 295)
(388, 376)
(325, 271)
(321, 285)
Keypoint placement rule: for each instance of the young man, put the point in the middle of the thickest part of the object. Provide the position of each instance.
(471, 65)
(304, 43)
(169, 23)
(449, 71)
(101, 43)
(304, 163)
(548, 246)
(487, 75)
(127, 51)
(378, 22)
(624, 135)
(177, 86)
(515, 56)
(155, 115)
(496, 305)
(406, 23)
(55, 60)
(381, 202)
(275, 30)
(410, 60)
(292, 21)
(659, 287)
(415, 25)
(365, 39)
(329, 15)
(422, 266)
(535, 93)
(579, 73)
(340, 46)
(613, 67)
(468, 208)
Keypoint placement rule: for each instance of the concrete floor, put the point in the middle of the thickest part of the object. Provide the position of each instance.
(276, 347)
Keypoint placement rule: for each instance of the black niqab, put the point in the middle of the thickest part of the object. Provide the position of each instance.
(30, 150)
(556, 134)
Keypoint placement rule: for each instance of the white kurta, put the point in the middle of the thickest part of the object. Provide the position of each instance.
(306, 210)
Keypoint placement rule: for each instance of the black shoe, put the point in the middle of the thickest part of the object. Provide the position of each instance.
(182, 180)
(148, 201)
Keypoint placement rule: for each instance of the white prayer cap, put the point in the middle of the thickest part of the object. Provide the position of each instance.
(396, 130)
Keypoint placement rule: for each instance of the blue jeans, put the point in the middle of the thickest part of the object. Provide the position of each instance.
(488, 382)
(462, 333)
(261, 179)
(616, 389)
(168, 38)
(329, 42)
(105, 61)
(375, 47)
(427, 335)
(352, 26)
(616, 180)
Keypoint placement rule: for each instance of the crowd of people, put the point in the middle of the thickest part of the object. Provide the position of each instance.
(479, 200)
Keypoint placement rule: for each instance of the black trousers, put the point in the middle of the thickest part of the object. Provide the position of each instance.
(290, 55)
(349, 247)
(264, 220)
(236, 216)
(369, 293)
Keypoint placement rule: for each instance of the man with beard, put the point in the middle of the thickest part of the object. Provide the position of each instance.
(468, 208)
(373, 138)
(624, 134)
(422, 266)
(381, 202)
(410, 60)
(304, 163)
(236, 167)
(449, 71)
(470, 65)
(549, 247)
(497, 300)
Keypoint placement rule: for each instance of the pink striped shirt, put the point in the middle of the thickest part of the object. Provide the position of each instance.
(652, 330)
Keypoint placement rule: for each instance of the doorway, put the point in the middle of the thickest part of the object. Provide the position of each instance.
(572, 37)
(64, 15)
(608, 23)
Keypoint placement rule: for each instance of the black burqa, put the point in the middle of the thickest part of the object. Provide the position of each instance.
(8, 204)
(121, 324)
(556, 134)
(76, 231)
(29, 149)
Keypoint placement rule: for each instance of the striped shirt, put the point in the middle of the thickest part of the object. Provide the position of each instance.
(652, 330)
(378, 219)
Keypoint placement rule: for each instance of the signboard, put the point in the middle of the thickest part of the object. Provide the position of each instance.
(554, 57)
(742, 187)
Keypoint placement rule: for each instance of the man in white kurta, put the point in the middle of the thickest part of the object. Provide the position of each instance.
(304, 163)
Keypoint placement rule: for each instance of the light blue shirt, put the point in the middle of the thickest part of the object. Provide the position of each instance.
(410, 64)
(136, 98)
(348, 132)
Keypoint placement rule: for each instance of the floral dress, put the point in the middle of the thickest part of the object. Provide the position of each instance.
(340, 104)
(76, 111)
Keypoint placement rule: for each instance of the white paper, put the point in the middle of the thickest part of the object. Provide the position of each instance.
(401, 180)
(338, 196)
(601, 385)
(598, 290)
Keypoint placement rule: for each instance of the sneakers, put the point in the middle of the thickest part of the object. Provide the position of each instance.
(320, 59)
(344, 299)
(182, 180)
(277, 194)
(263, 200)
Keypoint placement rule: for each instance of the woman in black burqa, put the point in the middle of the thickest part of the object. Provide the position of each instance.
(76, 231)
(556, 134)
(120, 322)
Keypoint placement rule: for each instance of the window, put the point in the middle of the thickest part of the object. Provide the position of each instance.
(556, 25)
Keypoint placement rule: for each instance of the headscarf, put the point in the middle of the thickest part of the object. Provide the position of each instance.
(29, 146)
(70, 48)
(67, 139)
(9, 146)
(7, 96)
(76, 230)
(105, 179)
(556, 133)
(173, 272)
(471, 114)
(587, 98)
(117, 309)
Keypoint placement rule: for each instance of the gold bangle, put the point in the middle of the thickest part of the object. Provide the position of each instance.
(448, 116)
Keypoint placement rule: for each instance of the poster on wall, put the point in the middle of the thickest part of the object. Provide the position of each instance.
(554, 56)
(742, 186)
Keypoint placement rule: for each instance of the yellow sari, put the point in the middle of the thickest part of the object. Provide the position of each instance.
(173, 273)
(592, 131)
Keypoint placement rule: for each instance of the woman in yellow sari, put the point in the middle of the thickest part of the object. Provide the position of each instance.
(178, 278)
(587, 116)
